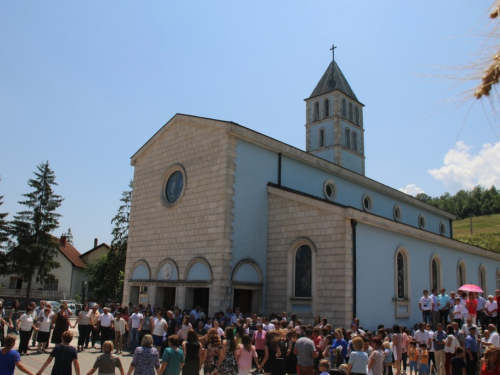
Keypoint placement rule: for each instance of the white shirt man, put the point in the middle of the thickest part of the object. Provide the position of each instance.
(491, 308)
(494, 339)
(422, 336)
(136, 319)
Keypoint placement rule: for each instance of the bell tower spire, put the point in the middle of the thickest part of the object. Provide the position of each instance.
(334, 121)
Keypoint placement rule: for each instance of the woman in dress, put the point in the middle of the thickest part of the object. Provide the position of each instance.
(107, 362)
(25, 325)
(44, 326)
(376, 360)
(291, 357)
(159, 328)
(244, 355)
(83, 322)
(271, 353)
(61, 322)
(227, 360)
(147, 323)
(192, 354)
(13, 317)
(146, 358)
(185, 327)
(213, 346)
(397, 346)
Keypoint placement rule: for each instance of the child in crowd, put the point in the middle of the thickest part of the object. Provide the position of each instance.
(389, 357)
(457, 364)
(413, 357)
(324, 366)
(424, 360)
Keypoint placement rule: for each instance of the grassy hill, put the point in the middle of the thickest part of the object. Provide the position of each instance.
(485, 229)
(480, 224)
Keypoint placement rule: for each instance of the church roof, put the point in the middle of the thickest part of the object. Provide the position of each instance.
(327, 84)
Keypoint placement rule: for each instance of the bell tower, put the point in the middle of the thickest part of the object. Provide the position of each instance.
(334, 121)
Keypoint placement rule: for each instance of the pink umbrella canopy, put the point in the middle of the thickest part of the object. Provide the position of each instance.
(470, 288)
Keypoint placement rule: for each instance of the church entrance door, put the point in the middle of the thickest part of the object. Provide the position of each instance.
(243, 300)
(165, 297)
(198, 297)
(134, 295)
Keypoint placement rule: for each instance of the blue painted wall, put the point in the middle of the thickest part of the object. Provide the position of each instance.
(352, 162)
(375, 255)
(299, 176)
(255, 167)
(314, 134)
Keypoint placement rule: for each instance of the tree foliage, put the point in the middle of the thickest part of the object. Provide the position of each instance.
(31, 252)
(476, 202)
(69, 236)
(107, 272)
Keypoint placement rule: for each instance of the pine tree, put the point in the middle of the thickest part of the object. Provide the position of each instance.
(107, 272)
(31, 255)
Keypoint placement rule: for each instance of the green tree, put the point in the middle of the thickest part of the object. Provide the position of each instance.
(107, 272)
(31, 253)
(69, 236)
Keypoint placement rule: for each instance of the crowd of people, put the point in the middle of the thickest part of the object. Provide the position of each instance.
(456, 331)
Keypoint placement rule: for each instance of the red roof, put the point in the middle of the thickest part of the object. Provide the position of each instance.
(71, 253)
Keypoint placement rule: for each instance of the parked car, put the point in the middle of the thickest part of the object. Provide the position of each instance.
(79, 307)
(55, 305)
(72, 308)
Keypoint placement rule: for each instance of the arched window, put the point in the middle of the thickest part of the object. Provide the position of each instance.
(350, 111)
(321, 138)
(401, 275)
(303, 272)
(326, 104)
(356, 115)
(435, 272)
(316, 111)
(482, 279)
(402, 284)
(355, 141)
(344, 108)
(347, 138)
(461, 275)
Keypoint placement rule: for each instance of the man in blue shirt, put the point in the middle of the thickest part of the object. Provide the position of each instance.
(439, 343)
(444, 307)
(480, 318)
(471, 348)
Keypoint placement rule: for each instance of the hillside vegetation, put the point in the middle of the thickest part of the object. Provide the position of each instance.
(480, 204)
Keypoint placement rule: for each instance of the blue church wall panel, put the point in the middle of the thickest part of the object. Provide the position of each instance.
(255, 167)
(325, 154)
(376, 268)
(314, 134)
(300, 176)
(352, 162)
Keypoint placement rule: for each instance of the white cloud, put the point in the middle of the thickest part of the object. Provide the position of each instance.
(463, 170)
(411, 189)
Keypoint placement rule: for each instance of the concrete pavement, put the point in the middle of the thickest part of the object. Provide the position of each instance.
(34, 361)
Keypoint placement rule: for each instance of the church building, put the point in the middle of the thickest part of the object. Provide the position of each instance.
(223, 216)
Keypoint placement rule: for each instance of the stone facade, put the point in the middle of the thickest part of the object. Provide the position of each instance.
(197, 226)
(292, 218)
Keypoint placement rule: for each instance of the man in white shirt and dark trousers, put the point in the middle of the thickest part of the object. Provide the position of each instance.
(135, 322)
(106, 325)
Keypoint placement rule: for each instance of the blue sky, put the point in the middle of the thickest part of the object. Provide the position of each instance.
(86, 84)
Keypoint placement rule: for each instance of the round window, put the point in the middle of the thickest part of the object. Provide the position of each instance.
(442, 228)
(421, 221)
(174, 184)
(367, 202)
(330, 190)
(397, 213)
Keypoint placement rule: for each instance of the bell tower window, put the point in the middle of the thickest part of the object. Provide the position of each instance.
(347, 138)
(316, 111)
(326, 104)
(350, 111)
(321, 138)
(356, 115)
(344, 108)
(355, 141)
